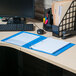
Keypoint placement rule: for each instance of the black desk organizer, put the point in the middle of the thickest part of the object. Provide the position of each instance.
(67, 26)
(48, 26)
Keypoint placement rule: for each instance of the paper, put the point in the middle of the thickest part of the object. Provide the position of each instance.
(21, 39)
(49, 45)
(59, 9)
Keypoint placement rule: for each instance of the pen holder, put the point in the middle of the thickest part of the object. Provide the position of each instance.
(48, 20)
(67, 25)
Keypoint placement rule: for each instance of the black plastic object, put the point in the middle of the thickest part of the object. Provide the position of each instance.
(16, 27)
(68, 24)
(48, 26)
(40, 31)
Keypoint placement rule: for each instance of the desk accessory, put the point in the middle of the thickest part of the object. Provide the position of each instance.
(40, 31)
(31, 41)
(67, 26)
(48, 20)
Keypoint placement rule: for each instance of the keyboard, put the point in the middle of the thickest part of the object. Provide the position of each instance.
(16, 27)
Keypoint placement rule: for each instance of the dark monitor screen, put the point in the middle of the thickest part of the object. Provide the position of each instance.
(20, 8)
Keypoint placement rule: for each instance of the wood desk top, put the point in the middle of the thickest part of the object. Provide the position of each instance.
(66, 60)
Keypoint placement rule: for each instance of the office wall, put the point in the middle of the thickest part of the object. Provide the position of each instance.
(39, 9)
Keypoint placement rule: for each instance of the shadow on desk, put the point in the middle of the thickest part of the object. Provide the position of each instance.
(16, 63)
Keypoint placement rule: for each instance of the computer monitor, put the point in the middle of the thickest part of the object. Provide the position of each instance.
(17, 8)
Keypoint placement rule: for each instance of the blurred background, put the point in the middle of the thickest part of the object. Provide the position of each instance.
(40, 5)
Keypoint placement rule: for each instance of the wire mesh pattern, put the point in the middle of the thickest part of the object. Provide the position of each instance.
(69, 20)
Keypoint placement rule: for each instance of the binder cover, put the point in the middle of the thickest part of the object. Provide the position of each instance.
(32, 40)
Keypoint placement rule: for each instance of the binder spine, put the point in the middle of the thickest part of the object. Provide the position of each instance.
(67, 26)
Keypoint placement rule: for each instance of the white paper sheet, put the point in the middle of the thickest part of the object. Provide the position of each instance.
(49, 45)
(22, 39)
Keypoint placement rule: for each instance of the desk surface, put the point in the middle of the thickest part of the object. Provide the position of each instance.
(66, 60)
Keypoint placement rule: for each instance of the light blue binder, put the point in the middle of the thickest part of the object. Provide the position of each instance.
(37, 40)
